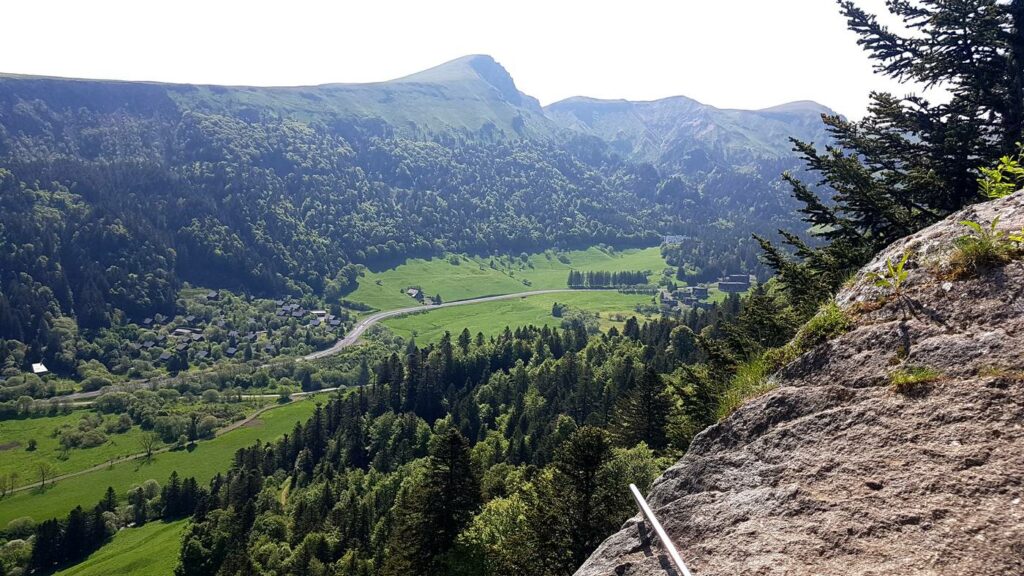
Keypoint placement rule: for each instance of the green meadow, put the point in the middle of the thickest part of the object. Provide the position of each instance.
(151, 550)
(16, 458)
(492, 317)
(474, 276)
(204, 461)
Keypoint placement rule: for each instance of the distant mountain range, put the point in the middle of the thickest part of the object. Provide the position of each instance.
(113, 193)
(684, 135)
(472, 94)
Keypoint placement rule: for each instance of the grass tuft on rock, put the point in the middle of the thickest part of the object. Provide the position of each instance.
(830, 321)
(909, 379)
(983, 248)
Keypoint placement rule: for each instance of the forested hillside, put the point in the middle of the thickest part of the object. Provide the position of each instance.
(806, 415)
(115, 193)
(476, 456)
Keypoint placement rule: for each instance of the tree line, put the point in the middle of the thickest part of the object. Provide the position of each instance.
(62, 542)
(604, 279)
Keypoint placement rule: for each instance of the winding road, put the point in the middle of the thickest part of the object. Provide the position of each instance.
(350, 339)
(363, 325)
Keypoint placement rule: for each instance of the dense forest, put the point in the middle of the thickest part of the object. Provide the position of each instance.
(474, 456)
(487, 490)
(112, 195)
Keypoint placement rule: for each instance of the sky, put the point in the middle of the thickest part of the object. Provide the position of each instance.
(727, 53)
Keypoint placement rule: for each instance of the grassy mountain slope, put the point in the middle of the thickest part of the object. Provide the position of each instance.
(469, 94)
(683, 135)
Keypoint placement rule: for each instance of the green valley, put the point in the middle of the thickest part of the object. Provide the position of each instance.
(458, 277)
(491, 318)
(275, 324)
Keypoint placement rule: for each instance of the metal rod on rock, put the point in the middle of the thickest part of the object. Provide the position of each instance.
(653, 521)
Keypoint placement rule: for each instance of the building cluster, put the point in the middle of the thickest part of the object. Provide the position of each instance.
(186, 336)
(696, 296)
(734, 283)
(286, 309)
(197, 339)
(690, 296)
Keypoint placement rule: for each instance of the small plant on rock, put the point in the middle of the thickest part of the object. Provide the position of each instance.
(1006, 178)
(894, 275)
(983, 248)
(829, 322)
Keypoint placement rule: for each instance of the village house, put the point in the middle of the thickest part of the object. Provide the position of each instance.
(733, 287)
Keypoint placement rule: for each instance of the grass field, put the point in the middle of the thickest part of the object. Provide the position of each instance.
(206, 460)
(15, 436)
(148, 551)
(384, 290)
(492, 317)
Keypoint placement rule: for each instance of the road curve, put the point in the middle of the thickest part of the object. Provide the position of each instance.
(353, 336)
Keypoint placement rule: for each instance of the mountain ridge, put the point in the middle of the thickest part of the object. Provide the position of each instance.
(189, 178)
(480, 89)
(668, 132)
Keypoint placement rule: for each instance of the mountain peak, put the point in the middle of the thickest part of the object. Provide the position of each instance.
(799, 106)
(474, 67)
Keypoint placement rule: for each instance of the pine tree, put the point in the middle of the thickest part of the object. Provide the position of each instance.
(431, 514)
(642, 414)
(46, 547)
(464, 341)
(909, 162)
(570, 515)
(109, 502)
(75, 543)
(171, 497)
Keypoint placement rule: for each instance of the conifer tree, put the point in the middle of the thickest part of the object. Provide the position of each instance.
(435, 511)
(570, 513)
(642, 414)
(910, 161)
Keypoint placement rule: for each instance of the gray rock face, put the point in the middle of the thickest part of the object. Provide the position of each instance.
(835, 472)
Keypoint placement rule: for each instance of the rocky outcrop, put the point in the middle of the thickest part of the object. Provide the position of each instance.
(835, 472)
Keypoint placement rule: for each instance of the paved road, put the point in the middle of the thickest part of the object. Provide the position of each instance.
(351, 338)
(364, 324)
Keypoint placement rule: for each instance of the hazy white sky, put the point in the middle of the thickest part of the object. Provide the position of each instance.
(728, 53)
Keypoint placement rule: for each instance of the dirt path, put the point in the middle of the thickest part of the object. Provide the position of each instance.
(219, 432)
